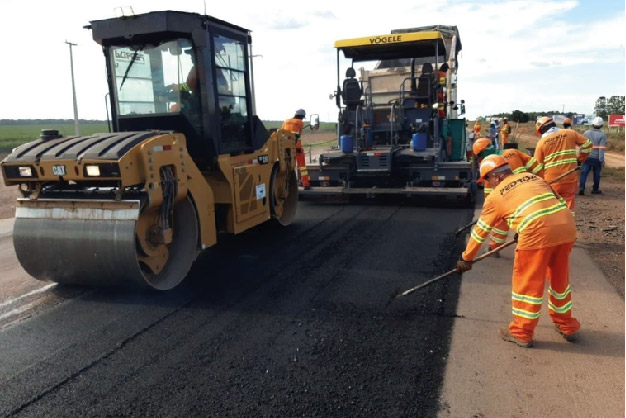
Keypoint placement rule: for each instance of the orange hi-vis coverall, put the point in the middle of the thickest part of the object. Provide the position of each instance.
(477, 129)
(519, 162)
(556, 155)
(504, 133)
(546, 233)
(296, 126)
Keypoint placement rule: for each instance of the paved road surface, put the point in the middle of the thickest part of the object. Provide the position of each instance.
(275, 322)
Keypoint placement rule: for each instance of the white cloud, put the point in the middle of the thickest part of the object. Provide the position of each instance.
(526, 55)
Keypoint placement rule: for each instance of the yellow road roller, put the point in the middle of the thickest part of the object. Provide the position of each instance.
(187, 160)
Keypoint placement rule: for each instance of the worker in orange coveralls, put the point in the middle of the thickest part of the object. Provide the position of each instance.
(477, 128)
(505, 131)
(545, 234)
(567, 123)
(556, 155)
(442, 99)
(519, 162)
(296, 125)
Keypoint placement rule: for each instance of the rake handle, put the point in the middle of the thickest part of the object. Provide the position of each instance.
(455, 270)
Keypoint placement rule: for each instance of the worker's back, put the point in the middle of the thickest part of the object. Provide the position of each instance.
(557, 153)
(293, 125)
(519, 161)
(533, 210)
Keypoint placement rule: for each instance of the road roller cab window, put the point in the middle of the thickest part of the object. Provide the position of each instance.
(156, 79)
(230, 76)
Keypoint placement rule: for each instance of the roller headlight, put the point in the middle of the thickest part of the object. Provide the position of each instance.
(92, 171)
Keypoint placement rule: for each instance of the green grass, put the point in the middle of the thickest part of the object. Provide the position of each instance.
(12, 136)
(615, 141)
(324, 126)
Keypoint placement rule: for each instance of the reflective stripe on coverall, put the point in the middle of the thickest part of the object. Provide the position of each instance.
(556, 155)
(519, 162)
(547, 232)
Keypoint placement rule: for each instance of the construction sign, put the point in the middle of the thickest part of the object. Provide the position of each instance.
(616, 121)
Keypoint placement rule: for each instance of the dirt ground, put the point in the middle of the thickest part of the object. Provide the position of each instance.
(600, 218)
(600, 223)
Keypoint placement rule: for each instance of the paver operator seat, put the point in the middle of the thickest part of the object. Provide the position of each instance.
(352, 91)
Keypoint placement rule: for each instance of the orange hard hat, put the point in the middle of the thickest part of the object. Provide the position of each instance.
(480, 145)
(542, 122)
(567, 121)
(490, 163)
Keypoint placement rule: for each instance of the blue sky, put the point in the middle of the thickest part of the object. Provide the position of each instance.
(524, 55)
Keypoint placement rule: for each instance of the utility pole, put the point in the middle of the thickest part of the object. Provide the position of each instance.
(76, 127)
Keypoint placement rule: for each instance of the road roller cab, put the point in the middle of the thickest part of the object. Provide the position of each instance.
(188, 159)
(182, 72)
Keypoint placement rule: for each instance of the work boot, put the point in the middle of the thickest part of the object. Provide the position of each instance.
(570, 338)
(495, 255)
(506, 336)
(596, 192)
(581, 192)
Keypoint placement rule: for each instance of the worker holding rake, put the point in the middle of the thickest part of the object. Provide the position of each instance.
(519, 162)
(545, 231)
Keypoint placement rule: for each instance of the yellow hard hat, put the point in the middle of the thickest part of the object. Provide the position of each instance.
(480, 145)
(542, 122)
(490, 163)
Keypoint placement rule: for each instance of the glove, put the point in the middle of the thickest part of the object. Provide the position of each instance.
(463, 265)
(579, 163)
(515, 237)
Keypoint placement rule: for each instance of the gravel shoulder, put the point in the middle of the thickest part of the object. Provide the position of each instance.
(600, 224)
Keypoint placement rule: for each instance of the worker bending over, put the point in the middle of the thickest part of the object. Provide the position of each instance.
(296, 125)
(556, 155)
(545, 231)
(519, 162)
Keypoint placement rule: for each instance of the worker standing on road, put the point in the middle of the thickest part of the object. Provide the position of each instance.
(442, 99)
(567, 123)
(556, 155)
(493, 134)
(519, 162)
(595, 161)
(296, 125)
(545, 234)
(477, 128)
(505, 131)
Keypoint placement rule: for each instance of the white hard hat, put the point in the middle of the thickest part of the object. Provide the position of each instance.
(300, 112)
(597, 121)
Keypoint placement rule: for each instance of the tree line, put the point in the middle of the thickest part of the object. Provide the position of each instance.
(13, 122)
(603, 108)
